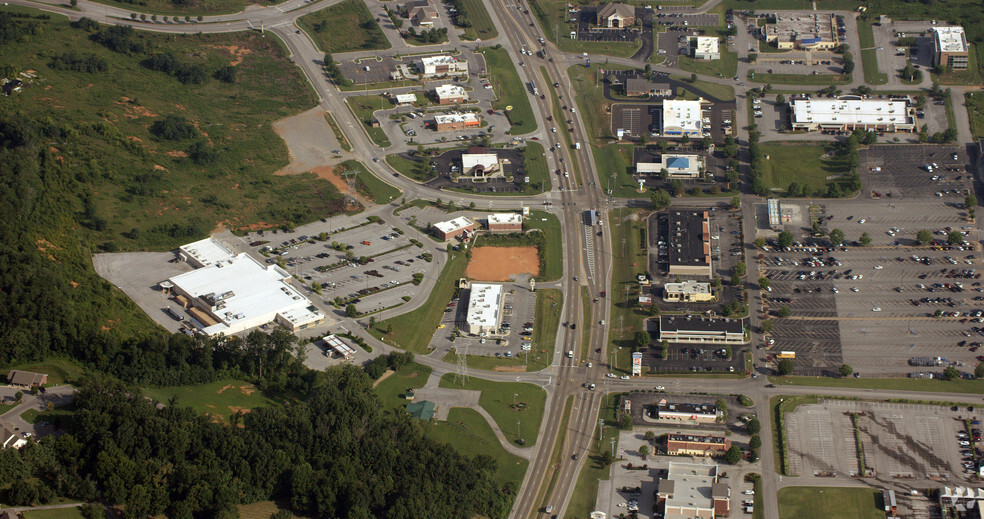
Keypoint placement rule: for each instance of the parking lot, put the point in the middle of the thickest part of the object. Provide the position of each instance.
(875, 307)
(639, 118)
(900, 441)
(686, 20)
(892, 56)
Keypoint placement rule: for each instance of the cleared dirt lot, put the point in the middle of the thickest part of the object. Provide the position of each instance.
(502, 263)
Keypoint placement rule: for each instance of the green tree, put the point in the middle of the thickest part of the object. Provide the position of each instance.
(755, 441)
(767, 325)
(780, 99)
(785, 366)
(693, 77)
(951, 373)
(678, 187)
(955, 237)
(661, 199)
(970, 200)
(865, 239)
(642, 339)
(735, 202)
(316, 287)
(753, 426)
(784, 311)
(18, 396)
(752, 57)
(836, 237)
(644, 451)
(722, 406)
(625, 422)
(706, 142)
(740, 269)
(716, 282)
(351, 311)
(759, 243)
(649, 436)
(845, 370)
(733, 455)
(764, 282)
(785, 239)
(979, 370)
(924, 236)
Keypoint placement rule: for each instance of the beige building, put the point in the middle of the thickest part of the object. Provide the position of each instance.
(812, 31)
(616, 16)
(705, 47)
(692, 491)
(950, 47)
(696, 445)
(450, 94)
(689, 291)
(456, 121)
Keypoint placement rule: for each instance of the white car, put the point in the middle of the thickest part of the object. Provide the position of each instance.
(624, 377)
(602, 322)
(748, 492)
(659, 388)
(854, 289)
(834, 290)
(590, 364)
(862, 220)
(878, 267)
(876, 309)
(964, 443)
(611, 375)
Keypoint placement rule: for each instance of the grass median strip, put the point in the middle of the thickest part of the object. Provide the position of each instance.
(509, 90)
(893, 384)
(597, 467)
(869, 55)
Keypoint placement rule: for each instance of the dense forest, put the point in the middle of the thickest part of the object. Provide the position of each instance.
(330, 453)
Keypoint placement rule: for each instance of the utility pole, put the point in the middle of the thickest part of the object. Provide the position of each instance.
(613, 446)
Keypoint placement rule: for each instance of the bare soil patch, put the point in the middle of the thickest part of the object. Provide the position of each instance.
(501, 263)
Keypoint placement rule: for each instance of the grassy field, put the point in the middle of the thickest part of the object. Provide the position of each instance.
(975, 110)
(509, 91)
(722, 92)
(554, 248)
(895, 384)
(481, 23)
(616, 161)
(469, 433)
(971, 76)
(59, 371)
(830, 503)
(344, 27)
(536, 168)
(369, 185)
(259, 510)
(219, 399)
(390, 389)
(594, 470)
(800, 163)
(629, 259)
(149, 187)
(364, 107)
(502, 400)
(869, 56)
(800, 79)
(53, 513)
(413, 330)
(546, 317)
(408, 168)
(591, 102)
(727, 66)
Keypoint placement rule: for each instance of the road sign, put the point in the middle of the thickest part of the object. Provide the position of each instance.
(637, 363)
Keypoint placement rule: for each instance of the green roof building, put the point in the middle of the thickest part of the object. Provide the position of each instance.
(423, 410)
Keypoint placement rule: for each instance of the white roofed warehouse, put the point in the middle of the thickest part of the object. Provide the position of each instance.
(240, 293)
(453, 228)
(852, 112)
(505, 222)
(681, 118)
(484, 308)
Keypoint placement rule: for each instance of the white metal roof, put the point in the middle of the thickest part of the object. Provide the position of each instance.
(208, 251)
(706, 45)
(438, 60)
(335, 343)
(505, 218)
(486, 160)
(951, 39)
(406, 98)
(445, 91)
(681, 116)
(453, 225)
(692, 485)
(483, 305)
(244, 293)
(455, 118)
(674, 164)
(689, 286)
(850, 111)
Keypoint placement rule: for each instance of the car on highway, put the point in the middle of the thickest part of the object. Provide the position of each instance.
(876, 309)
(624, 377)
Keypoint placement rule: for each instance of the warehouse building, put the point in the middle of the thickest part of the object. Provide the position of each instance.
(442, 65)
(484, 308)
(450, 94)
(814, 31)
(453, 228)
(689, 251)
(701, 330)
(696, 445)
(701, 413)
(689, 291)
(676, 166)
(506, 222)
(692, 491)
(681, 118)
(204, 253)
(456, 121)
(240, 293)
(851, 112)
(950, 47)
(705, 48)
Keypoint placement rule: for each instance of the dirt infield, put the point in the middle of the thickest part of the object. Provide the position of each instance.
(499, 263)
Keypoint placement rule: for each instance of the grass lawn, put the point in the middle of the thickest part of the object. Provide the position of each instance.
(509, 91)
(498, 400)
(369, 185)
(409, 168)
(556, 455)
(975, 110)
(629, 259)
(971, 76)
(869, 57)
(390, 389)
(586, 322)
(722, 92)
(148, 187)
(469, 434)
(895, 384)
(800, 79)
(726, 67)
(554, 248)
(481, 23)
(59, 371)
(6, 407)
(53, 513)
(259, 510)
(413, 330)
(591, 101)
(830, 503)
(219, 399)
(363, 107)
(594, 470)
(535, 161)
(800, 163)
(344, 27)
(616, 161)
(546, 317)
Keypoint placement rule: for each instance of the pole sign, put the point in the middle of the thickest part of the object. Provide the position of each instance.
(637, 363)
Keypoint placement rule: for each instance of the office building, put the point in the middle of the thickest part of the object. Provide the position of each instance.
(642, 87)
(456, 121)
(805, 31)
(950, 47)
(676, 166)
(689, 250)
(705, 48)
(506, 222)
(682, 118)
(442, 65)
(692, 491)
(701, 330)
(450, 94)
(484, 308)
(847, 113)
(696, 445)
(616, 16)
(454, 228)
(688, 291)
